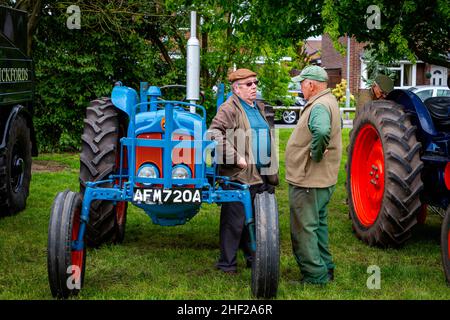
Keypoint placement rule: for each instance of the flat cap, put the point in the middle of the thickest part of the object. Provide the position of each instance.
(314, 73)
(385, 83)
(240, 74)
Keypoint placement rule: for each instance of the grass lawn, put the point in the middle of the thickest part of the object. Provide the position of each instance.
(178, 262)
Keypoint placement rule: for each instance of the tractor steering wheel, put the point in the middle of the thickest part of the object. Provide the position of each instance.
(179, 87)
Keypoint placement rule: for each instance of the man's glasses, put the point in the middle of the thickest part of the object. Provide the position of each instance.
(249, 84)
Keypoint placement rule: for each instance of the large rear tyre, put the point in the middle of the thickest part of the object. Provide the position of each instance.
(384, 174)
(100, 157)
(445, 245)
(65, 265)
(15, 168)
(265, 266)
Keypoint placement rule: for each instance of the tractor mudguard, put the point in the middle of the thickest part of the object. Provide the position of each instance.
(124, 98)
(16, 111)
(414, 105)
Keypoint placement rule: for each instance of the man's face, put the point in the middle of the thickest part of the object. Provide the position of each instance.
(377, 92)
(307, 88)
(246, 88)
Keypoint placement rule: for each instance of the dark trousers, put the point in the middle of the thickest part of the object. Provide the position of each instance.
(309, 231)
(234, 235)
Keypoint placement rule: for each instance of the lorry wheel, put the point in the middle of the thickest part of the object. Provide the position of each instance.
(445, 245)
(289, 116)
(15, 168)
(266, 260)
(383, 174)
(65, 265)
(100, 157)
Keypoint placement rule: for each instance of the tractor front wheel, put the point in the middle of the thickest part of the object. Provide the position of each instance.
(384, 174)
(65, 264)
(266, 260)
(445, 245)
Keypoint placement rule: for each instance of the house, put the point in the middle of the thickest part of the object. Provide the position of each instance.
(311, 50)
(407, 74)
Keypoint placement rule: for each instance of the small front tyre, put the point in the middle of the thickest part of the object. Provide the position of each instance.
(266, 263)
(65, 264)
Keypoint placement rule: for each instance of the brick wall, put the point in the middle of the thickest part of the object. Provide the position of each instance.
(420, 74)
(427, 69)
(332, 59)
(356, 51)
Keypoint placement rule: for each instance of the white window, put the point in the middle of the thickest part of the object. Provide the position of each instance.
(406, 74)
(364, 75)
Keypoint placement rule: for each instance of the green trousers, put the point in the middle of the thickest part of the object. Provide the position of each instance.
(309, 231)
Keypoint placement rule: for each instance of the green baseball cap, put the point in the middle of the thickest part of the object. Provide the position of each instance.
(385, 83)
(314, 73)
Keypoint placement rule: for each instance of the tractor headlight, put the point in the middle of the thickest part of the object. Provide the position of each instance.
(181, 172)
(148, 171)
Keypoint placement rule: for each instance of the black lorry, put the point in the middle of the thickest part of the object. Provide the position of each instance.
(17, 137)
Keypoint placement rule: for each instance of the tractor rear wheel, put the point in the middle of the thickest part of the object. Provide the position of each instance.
(100, 157)
(384, 174)
(445, 245)
(266, 260)
(65, 265)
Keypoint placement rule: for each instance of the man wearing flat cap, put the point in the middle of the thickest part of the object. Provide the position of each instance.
(381, 87)
(313, 156)
(247, 152)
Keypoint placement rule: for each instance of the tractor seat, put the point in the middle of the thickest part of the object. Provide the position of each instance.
(439, 108)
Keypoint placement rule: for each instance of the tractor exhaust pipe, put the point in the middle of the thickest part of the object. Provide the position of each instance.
(193, 64)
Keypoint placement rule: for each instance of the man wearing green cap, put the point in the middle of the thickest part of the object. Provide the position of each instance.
(313, 156)
(381, 87)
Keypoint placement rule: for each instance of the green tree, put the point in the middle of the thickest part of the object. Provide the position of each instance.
(76, 66)
(411, 29)
(240, 34)
(137, 41)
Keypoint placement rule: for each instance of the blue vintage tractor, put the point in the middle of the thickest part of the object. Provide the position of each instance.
(156, 161)
(153, 153)
(398, 165)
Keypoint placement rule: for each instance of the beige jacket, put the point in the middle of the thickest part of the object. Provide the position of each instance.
(229, 128)
(301, 170)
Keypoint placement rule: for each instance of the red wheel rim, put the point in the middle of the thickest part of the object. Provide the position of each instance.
(77, 255)
(120, 212)
(367, 175)
(121, 206)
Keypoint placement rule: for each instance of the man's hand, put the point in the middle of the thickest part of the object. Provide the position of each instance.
(324, 153)
(241, 163)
